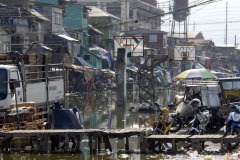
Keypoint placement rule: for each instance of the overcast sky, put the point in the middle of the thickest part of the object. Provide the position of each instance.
(211, 20)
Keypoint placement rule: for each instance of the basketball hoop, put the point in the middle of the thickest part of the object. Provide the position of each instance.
(135, 43)
(185, 52)
(185, 55)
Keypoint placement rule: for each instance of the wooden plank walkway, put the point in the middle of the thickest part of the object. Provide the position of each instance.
(196, 141)
(95, 137)
(98, 136)
(173, 139)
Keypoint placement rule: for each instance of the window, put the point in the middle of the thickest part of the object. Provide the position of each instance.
(3, 84)
(86, 57)
(236, 85)
(152, 38)
(57, 18)
(227, 85)
(14, 77)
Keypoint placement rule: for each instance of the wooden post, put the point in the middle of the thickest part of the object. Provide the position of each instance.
(174, 146)
(45, 143)
(41, 144)
(99, 143)
(143, 143)
(95, 139)
(78, 143)
(107, 142)
(127, 144)
(90, 142)
(66, 141)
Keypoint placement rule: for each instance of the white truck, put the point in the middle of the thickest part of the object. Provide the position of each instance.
(41, 84)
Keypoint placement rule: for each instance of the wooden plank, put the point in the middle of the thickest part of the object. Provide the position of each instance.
(206, 136)
(230, 137)
(168, 137)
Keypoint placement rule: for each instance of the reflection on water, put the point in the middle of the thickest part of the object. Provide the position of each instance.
(98, 111)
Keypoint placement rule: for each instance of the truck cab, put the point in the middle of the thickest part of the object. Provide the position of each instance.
(11, 89)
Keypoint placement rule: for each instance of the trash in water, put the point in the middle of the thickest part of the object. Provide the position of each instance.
(207, 158)
(192, 153)
(123, 156)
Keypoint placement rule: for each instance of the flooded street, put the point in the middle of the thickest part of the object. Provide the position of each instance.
(98, 111)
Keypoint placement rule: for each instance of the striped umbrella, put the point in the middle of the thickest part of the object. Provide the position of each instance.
(198, 74)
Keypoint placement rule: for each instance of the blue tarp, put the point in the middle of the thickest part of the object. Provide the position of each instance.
(106, 54)
(82, 62)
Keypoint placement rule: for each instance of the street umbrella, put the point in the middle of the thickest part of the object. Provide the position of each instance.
(198, 74)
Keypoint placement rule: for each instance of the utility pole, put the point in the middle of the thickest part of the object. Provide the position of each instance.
(125, 15)
(235, 41)
(121, 77)
(226, 41)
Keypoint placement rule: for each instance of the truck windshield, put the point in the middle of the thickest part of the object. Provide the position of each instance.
(3, 84)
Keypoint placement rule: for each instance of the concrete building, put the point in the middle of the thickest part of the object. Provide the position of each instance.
(134, 15)
(20, 26)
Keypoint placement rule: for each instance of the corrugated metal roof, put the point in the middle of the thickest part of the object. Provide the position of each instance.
(3, 5)
(96, 12)
(226, 45)
(191, 34)
(46, 47)
(147, 7)
(38, 15)
(95, 29)
(202, 42)
(67, 37)
(140, 31)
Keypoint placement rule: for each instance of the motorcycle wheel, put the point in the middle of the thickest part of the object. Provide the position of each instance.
(177, 125)
(234, 131)
(214, 124)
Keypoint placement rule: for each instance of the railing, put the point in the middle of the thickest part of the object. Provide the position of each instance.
(36, 73)
(198, 82)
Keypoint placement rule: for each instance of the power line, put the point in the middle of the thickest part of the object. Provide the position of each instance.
(157, 16)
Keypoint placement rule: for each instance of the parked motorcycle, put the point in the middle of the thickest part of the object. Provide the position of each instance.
(201, 118)
(162, 126)
(185, 113)
(233, 125)
(164, 122)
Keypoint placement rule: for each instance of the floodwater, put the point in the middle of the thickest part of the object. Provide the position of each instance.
(98, 110)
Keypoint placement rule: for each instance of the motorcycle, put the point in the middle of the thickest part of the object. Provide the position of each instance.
(233, 125)
(164, 123)
(197, 125)
(185, 113)
(199, 122)
(162, 126)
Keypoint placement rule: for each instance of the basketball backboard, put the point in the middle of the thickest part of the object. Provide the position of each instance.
(135, 43)
(185, 52)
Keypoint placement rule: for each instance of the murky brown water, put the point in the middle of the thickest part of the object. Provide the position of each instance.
(98, 111)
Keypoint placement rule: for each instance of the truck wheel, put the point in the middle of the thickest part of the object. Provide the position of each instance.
(50, 120)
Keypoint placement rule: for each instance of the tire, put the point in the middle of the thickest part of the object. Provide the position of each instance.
(177, 125)
(234, 131)
(214, 124)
